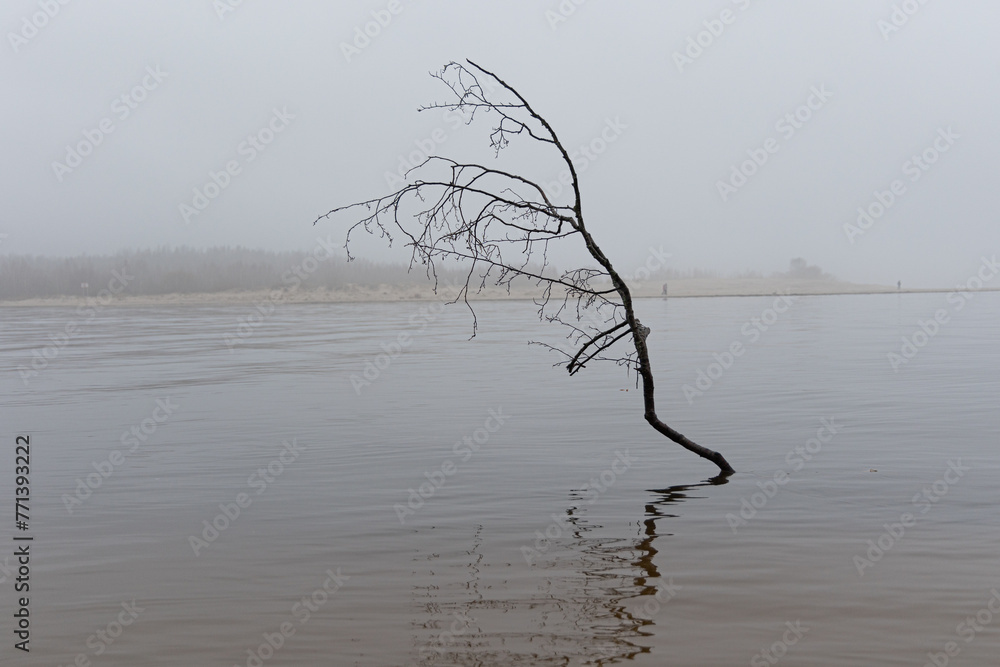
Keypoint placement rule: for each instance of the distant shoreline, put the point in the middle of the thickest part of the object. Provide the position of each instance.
(693, 288)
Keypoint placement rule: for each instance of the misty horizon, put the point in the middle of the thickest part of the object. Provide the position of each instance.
(185, 270)
(857, 137)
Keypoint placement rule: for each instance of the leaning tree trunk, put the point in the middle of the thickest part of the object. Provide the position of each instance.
(645, 369)
(646, 373)
(460, 203)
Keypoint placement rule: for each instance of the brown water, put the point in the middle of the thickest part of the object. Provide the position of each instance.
(641, 566)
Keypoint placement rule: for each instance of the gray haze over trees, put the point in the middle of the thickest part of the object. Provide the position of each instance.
(189, 270)
(838, 131)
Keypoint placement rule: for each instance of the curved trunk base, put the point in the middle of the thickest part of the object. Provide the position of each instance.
(704, 452)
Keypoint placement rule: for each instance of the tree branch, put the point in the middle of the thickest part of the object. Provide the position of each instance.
(481, 215)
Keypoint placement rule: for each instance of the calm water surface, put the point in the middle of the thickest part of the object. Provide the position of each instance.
(878, 543)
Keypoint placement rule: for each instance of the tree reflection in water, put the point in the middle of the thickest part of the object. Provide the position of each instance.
(591, 600)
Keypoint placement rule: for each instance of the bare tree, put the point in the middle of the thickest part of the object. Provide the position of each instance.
(500, 224)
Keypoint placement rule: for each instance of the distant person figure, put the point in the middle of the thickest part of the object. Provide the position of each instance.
(899, 285)
(664, 292)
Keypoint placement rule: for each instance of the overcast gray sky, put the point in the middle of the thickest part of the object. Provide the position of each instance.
(114, 114)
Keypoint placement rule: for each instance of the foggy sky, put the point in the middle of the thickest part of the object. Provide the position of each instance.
(199, 82)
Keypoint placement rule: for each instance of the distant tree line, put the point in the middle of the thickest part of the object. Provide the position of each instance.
(798, 269)
(186, 270)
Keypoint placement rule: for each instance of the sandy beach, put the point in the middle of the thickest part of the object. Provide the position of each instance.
(679, 288)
